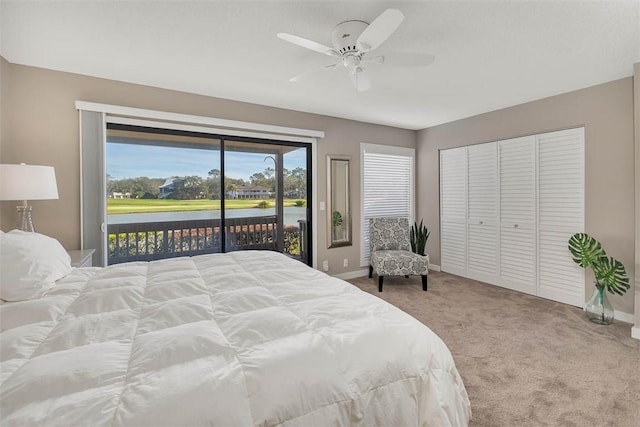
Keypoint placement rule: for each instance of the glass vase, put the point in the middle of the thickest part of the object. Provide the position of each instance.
(599, 309)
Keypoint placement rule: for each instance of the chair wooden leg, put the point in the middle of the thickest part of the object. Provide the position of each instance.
(380, 283)
(370, 271)
(424, 282)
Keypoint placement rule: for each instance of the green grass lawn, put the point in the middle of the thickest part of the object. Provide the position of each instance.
(122, 206)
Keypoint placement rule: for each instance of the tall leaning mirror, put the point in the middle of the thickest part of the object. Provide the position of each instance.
(338, 201)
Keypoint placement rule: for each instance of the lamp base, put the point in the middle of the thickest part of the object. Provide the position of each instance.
(24, 221)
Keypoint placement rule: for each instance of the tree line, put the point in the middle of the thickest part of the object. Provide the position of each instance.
(196, 187)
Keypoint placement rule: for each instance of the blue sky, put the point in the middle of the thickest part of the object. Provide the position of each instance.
(132, 160)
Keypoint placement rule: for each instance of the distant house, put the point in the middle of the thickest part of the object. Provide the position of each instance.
(249, 192)
(295, 194)
(166, 189)
(118, 195)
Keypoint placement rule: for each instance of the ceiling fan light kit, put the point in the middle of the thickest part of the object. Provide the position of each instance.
(352, 40)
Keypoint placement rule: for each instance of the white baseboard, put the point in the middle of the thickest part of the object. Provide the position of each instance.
(352, 274)
(622, 316)
(365, 271)
(635, 332)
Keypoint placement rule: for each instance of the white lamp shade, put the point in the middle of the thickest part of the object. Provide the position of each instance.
(27, 182)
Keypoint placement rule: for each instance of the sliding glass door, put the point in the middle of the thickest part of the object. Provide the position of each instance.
(265, 203)
(175, 193)
(163, 198)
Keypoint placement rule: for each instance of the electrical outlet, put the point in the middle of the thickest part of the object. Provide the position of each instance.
(325, 265)
(345, 262)
(322, 206)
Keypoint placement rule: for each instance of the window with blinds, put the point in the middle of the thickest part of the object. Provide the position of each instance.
(387, 187)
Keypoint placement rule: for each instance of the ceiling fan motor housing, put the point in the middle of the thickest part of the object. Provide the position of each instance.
(345, 35)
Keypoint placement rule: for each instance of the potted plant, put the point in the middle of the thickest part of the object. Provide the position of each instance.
(336, 222)
(418, 236)
(609, 274)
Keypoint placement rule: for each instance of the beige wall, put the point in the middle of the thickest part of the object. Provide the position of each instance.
(606, 111)
(42, 128)
(636, 103)
(4, 82)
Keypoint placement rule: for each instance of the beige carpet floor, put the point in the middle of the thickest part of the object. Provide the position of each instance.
(526, 361)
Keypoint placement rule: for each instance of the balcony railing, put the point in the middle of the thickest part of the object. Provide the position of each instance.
(146, 241)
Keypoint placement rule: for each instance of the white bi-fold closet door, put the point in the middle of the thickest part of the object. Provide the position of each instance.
(482, 209)
(453, 211)
(518, 214)
(560, 214)
(508, 209)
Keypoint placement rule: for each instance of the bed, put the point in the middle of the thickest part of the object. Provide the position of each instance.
(237, 339)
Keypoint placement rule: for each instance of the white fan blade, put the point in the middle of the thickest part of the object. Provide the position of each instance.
(399, 59)
(311, 72)
(360, 79)
(309, 44)
(379, 30)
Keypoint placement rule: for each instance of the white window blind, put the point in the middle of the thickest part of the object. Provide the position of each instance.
(387, 187)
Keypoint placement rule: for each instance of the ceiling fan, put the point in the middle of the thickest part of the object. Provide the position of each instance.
(353, 41)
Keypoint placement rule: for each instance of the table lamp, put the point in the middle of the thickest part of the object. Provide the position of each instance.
(27, 182)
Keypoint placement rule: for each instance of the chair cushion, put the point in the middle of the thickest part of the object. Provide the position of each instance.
(389, 234)
(399, 263)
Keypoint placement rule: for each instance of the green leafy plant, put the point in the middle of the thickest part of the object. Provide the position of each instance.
(418, 236)
(336, 219)
(263, 204)
(609, 273)
(300, 203)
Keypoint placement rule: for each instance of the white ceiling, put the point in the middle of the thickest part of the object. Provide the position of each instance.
(489, 55)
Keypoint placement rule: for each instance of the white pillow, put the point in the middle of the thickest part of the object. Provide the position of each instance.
(30, 263)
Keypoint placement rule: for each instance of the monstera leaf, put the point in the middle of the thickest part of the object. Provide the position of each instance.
(585, 249)
(610, 272)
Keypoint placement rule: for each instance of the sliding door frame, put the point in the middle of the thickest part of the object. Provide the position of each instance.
(209, 127)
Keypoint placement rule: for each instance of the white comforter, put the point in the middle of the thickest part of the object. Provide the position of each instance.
(238, 339)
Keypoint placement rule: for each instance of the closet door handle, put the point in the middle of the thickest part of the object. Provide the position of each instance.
(515, 225)
(481, 222)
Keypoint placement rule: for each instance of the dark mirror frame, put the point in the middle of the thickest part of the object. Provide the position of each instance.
(338, 201)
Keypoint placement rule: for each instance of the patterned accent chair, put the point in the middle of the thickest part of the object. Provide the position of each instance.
(391, 251)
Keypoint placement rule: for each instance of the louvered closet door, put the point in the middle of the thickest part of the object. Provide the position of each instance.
(453, 214)
(517, 214)
(482, 208)
(560, 214)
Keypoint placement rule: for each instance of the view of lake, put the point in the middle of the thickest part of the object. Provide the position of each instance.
(291, 215)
